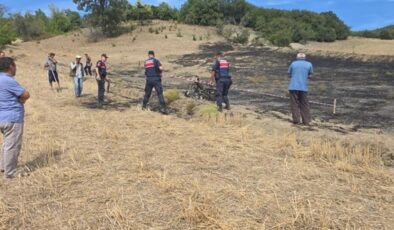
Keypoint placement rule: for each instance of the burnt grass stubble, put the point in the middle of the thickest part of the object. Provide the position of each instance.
(362, 89)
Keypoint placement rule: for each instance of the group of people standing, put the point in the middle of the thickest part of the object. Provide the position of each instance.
(13, 96)
(78, 71)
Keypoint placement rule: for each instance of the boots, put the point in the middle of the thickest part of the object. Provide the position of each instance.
(163, 110)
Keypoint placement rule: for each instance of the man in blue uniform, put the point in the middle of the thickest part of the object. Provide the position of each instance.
(221, 74)
(300, 71)
(101, 74)
(153, 71)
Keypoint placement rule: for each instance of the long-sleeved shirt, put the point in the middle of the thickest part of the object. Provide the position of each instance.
(299, 71)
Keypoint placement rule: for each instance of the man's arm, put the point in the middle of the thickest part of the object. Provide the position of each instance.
(54, 60)
(98, 77)
(310, 75)
(73, 65)
(289, 72)
(24, 97)
(213, 72)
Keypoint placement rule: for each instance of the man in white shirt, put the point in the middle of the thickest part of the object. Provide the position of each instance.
(78, 74)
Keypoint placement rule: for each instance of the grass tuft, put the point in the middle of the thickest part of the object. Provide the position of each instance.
(171, 95)
(208, 110)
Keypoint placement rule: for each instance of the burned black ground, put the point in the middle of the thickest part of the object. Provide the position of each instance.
(364, 90)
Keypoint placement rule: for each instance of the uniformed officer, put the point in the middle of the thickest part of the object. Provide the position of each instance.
(221, 74)
(101, 74)
(153, 72)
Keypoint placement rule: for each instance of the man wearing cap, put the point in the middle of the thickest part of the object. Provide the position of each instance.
(101, 74)
(53, 76)
(12, 99)
(221, 75)
(153, 71)
(300, 71)
(78, 74)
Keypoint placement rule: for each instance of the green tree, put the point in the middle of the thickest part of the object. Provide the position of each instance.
(164, 12)
(106, 14)
(7, 34)
(202, 12)
(59, 22)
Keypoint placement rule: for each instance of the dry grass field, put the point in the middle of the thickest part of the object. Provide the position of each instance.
(352, 46)
(124, 168)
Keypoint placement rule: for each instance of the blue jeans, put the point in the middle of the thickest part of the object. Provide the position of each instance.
(78, 86)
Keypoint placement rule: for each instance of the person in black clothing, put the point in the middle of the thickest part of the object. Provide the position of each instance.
(101, 74)
(153, 72)
(88, 65)
(221, 75)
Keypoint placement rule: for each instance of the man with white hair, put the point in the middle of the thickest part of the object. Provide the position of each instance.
(300, 71)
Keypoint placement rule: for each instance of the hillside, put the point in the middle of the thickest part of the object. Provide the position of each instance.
(385, 33)
(356, 46)
(124, 168)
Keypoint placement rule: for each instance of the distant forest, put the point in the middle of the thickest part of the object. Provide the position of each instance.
(278, 26)
(386, 33)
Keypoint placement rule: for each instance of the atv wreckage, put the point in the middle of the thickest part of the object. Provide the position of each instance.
(201, 90)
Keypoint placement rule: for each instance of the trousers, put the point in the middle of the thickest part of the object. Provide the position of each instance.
(101, 90)
(300, 107)
(11, 147)
(154, 82)
(222, 88)
(78, 86)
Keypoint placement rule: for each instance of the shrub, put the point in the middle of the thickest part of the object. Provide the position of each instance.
(179, 34)
(151, 30)
(166, 36)
(281, 38)
(171, 95)
(242, 37)
(194, 37)
(208, 110)
(190, 107)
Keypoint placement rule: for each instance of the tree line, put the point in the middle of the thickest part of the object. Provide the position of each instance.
(385, 33)
(280, 27)
(37, 25)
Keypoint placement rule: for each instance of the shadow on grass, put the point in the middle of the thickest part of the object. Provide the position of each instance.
(43, 160)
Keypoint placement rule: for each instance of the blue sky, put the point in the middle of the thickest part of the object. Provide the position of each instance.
(358, 14)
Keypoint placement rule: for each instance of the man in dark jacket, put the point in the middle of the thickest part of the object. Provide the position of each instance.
(221, 75)
(153, 73)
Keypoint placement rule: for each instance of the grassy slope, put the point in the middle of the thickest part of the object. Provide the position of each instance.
(132, 169)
